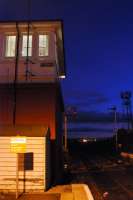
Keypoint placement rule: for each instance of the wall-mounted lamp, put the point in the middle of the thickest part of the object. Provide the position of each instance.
(62, 76)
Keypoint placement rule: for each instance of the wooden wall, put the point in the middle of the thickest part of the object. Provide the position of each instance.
(35, 104)
(46, 73)
(35, 177)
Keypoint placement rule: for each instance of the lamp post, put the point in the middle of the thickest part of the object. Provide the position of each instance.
(70, 111)
(114, 109)
(65, 131)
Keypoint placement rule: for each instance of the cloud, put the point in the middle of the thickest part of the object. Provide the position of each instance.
(82, 99)
(80, 94)
(89, 129)
(93, 117)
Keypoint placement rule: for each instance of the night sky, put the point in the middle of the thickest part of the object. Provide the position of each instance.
(99, 55)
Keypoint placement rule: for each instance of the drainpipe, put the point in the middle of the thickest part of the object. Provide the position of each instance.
(16, 74)
(27, 56)
(65, 132)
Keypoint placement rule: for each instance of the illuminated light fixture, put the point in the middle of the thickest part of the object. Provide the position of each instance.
(85, 140)
(62, 76)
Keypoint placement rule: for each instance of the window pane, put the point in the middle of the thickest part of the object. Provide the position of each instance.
(43, 45)
(24, 45)
(10, 45)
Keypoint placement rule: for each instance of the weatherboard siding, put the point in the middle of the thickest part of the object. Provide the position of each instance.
(36, 178)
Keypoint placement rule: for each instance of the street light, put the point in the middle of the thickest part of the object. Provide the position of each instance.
(65, 131)
(70, 111)
(114, 110)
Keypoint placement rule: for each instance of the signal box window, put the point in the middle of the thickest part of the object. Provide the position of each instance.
(43, 45)
(24, 45)
(10, 46)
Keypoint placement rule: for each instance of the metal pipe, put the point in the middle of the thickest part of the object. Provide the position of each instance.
(115, 128)
(65, 132)
(27, 53)
(16, 74)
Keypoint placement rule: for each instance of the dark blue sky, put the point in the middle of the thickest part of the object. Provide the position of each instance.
(98, 46)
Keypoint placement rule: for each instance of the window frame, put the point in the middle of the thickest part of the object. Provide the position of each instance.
(5, 46)
(21, 45)
(48, 43)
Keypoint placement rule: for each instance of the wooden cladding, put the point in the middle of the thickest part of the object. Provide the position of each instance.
(33, 172)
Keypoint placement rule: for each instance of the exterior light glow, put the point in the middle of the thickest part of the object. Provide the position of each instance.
(85, 140)
(62, 76)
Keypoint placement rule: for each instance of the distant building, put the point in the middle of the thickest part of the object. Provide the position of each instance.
(31, 65)
(87, 140)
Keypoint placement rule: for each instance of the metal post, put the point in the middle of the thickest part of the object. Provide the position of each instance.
(65, 131)
(115, 127)
(16, 75)
(17, 177)
(114, 109)
(27, 56)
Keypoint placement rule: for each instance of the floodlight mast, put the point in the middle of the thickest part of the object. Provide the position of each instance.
(126, 102)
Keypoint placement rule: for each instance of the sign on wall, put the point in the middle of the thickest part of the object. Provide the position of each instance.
(18, 144)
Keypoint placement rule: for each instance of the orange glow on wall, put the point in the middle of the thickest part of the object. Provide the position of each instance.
(35, 105)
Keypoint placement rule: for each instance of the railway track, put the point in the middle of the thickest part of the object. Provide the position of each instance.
(104, 175)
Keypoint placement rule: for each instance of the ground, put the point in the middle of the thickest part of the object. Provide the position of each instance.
(31, 197)
(108, 175)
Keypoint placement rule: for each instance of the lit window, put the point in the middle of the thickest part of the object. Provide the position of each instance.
(10, 45)
(43, 45)
(24, 45)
